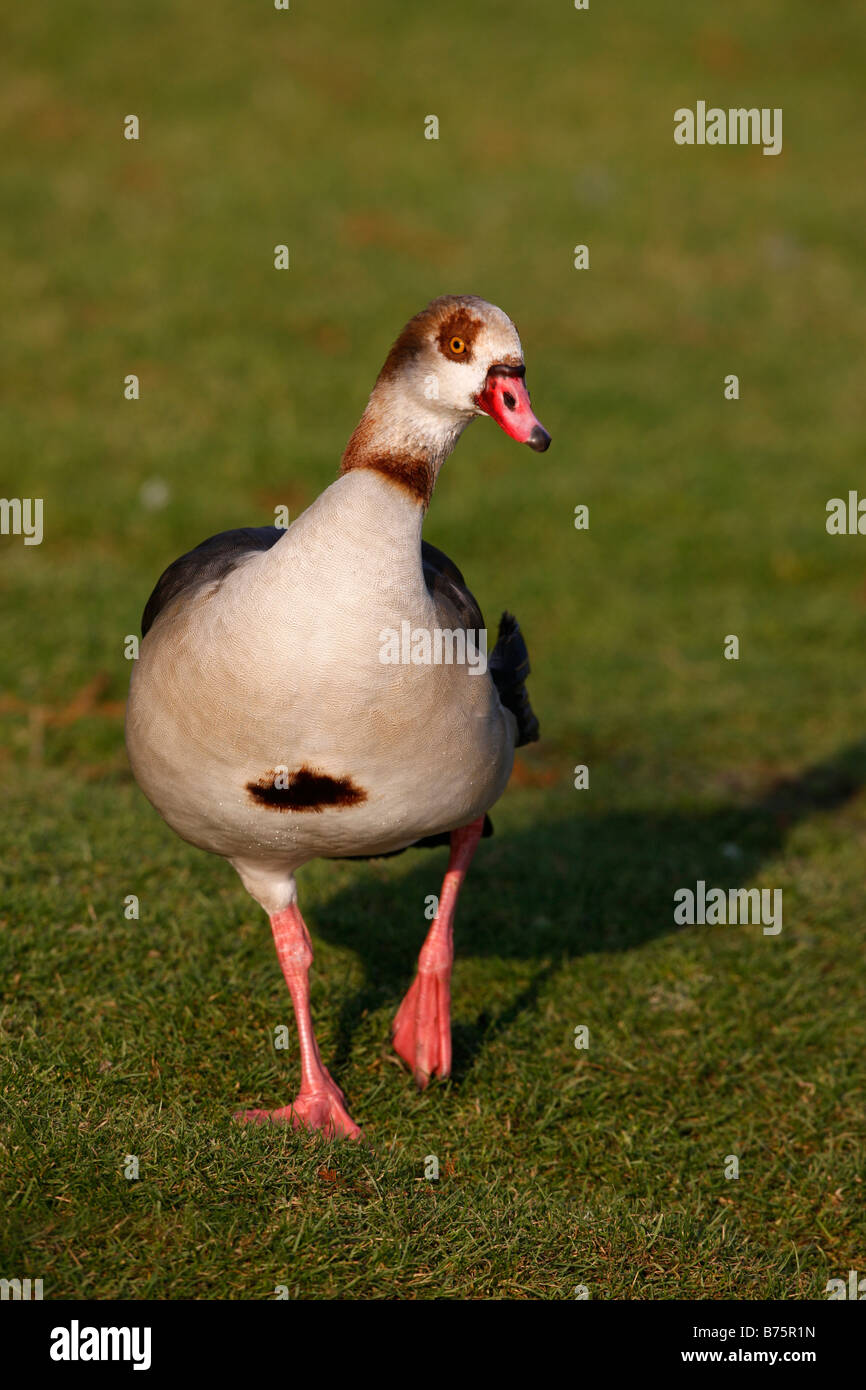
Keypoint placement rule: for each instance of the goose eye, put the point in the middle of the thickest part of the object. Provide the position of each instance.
(457, 346)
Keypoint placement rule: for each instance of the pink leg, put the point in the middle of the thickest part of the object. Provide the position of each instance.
(422, 1028)
(320, 1103)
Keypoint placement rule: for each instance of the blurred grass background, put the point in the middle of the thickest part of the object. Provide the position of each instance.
(707, 517)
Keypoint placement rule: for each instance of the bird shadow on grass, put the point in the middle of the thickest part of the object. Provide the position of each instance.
(569, 887)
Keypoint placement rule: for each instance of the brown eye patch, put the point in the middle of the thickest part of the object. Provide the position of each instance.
(456, 335)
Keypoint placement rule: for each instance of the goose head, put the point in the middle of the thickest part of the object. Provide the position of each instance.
(459, 358)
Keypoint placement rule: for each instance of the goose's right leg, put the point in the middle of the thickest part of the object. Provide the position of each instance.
(319, 1104)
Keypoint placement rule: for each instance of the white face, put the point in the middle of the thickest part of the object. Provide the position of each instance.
(456, 341)
(458, 358)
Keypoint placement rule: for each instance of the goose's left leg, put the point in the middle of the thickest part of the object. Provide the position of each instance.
(422, 1028)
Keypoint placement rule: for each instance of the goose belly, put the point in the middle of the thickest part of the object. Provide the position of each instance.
(293, 741)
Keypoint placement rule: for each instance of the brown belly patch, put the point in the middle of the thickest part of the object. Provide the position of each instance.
(304, 790)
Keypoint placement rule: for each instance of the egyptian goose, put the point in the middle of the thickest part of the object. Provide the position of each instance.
(273, 718)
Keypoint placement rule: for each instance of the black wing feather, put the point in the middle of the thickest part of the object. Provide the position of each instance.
(208, 562)
(444, 580)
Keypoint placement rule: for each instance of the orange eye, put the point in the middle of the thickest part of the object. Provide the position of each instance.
(457, 346)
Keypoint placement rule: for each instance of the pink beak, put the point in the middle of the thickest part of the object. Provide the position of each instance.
(506, 400)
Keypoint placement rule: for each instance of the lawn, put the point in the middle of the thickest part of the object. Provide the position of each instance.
(559, 1167)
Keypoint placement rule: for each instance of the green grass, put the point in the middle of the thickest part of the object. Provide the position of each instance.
(558, 1167)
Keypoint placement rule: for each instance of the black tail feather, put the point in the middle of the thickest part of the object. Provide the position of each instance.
(509, 667)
